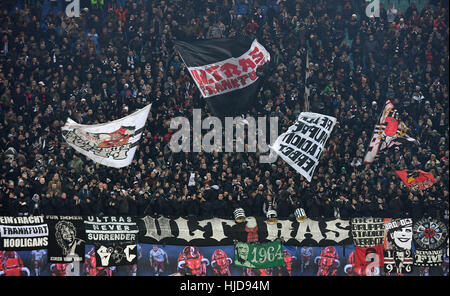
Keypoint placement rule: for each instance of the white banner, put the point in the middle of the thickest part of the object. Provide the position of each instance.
(387, 132)
(303, 143)
(23, 231)
(230, 74)
(112, 144)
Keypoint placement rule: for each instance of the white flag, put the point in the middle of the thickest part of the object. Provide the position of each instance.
(112, 144)
(303, 143)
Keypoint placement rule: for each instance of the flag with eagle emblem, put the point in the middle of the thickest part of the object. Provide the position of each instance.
(416, 180)
(111, 144)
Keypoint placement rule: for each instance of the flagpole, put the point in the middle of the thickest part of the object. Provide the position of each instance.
(306, 106)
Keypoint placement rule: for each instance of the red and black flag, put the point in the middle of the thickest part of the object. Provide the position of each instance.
(227, 71)
(388, 132)
(416, 180)
(369, 260)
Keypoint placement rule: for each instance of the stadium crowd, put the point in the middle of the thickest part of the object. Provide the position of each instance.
(118, 56)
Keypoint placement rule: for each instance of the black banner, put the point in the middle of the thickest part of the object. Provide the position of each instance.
(23, 233)
(429, 234)
(429, 257)
(114, 238)
(225, 71)
(115, 254)
(66, 239)
(213, 232)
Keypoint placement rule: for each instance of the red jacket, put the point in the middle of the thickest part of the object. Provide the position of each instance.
(122, 14)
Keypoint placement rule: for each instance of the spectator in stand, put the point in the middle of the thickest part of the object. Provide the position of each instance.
(118, 56)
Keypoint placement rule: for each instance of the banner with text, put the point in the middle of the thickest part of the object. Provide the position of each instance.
(430, 236)
(23, 233)
(252, 255)
(367, 232)
(217, 231)
(224, 75)
(114, 238)
(302, 145)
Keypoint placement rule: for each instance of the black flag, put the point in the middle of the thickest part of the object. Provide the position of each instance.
(227, 71)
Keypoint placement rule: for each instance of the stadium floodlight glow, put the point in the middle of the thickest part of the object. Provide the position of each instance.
(239, 215)
(300, 214)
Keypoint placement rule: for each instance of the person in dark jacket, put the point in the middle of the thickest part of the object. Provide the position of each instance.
(23, 190)
(371, 45)
(40, 187)
(35, 208)
(182, 206)
(313, 207)
(341, 205)
(219, 207)
(192, 207)
(432, 206)
(123, 202)
(75, 206)
(176, 205)
(354, 208)
(353, 26)
(3, 203)
(269, 203)
(13, 204)
(132, 205)
(258, 201)
(285, 207)
(84, 192)
(47, 204)
(88, 207)
(24, 204)
(230, 204)
(112, 208)
(396, 207)
(164, 204)
(62, 205)
(142, 202)
(417, 208)
(247, 204)
(100, 197)
(327, 211)
(205, 207)
(152, 207)
(367, 207)
(379, 210)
